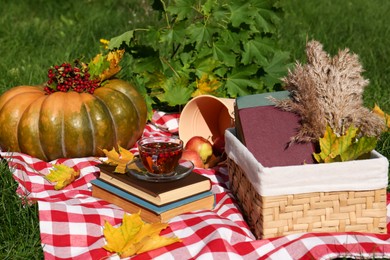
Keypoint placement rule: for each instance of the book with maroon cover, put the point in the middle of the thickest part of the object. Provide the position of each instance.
(266, 131)
(158, 193)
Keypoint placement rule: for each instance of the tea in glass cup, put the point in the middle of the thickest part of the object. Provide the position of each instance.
(160, 155)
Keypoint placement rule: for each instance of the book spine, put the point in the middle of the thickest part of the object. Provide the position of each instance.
(146, 204)
(128, 206)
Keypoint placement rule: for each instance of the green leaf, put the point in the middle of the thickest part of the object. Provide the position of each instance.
(240, 79)
(241, 13)
(149, 64)
(266, 19)
(206, 66)
(116, 42)
(199, 34)
(181, 92)
(276, 68)
(363, 145)
(341, 144)
(99, 65)
(173, 35)
(181, 8)
(343, 148)
(224, 54)
(255, 51)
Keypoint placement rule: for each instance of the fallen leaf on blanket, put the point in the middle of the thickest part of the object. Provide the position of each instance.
(63, 175)
(118, 159)
(134, 236)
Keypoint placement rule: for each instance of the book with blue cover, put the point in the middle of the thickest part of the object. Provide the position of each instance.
(158, 193)
(149, 211)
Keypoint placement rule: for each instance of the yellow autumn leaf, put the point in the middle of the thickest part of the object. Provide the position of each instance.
(206, 86)
(156, 241)
(113, 57)
(134, 236)
(377, 110)
(118, 159)
(62, 175)
(347, 147)
(118, 237)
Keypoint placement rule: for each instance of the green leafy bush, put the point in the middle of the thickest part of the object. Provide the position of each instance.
(225, 48)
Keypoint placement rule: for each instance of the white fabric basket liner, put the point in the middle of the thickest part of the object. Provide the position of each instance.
(357, 175)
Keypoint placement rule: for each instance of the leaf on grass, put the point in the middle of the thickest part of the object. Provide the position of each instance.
(377, 110)
(63, 176)
(134, 236)
(119, 159)
(343, 148)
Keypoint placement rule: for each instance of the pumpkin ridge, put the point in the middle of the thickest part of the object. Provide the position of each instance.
(9, 137)
(90, 125)
(132, 128)
(111, 118)
(26, 133)
(101, 122)
(133, 99)
(51, 125)
(76, 135)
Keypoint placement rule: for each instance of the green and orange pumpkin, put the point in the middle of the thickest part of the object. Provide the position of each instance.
(71, 124)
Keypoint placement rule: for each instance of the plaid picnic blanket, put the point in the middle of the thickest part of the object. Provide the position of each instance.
(71, 220)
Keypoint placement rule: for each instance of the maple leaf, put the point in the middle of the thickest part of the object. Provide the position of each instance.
(119, 159)
(239, 80)
(134, 236)
(377, 110)
(116, 42)
(105, 66)
(343, 148)
(63, 175)
(175, 85)
(205, 85)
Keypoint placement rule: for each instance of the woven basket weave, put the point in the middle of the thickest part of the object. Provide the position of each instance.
(272, 216)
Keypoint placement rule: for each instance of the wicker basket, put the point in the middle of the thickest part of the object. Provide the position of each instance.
(327, 211)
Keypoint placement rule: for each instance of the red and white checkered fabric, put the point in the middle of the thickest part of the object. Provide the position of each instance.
(71, 220)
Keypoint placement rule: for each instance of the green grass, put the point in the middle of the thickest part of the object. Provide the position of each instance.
(19, 222)
(37, 34)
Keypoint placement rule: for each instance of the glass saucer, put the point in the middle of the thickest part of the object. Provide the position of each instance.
(137, 169)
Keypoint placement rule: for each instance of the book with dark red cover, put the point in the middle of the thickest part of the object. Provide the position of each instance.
(158, 193)
(266, 131)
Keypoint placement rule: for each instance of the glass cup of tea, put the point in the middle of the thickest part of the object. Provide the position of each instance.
(160, 154)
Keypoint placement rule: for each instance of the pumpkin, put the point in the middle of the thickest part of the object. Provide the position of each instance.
(71, 124)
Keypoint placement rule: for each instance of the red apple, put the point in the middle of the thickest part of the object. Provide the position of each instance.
(219, 145)
(194, 157)
(200, 145)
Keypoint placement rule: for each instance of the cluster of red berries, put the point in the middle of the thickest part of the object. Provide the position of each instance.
(66, 77)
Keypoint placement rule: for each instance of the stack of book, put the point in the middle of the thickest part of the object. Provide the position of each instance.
(157, 201)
